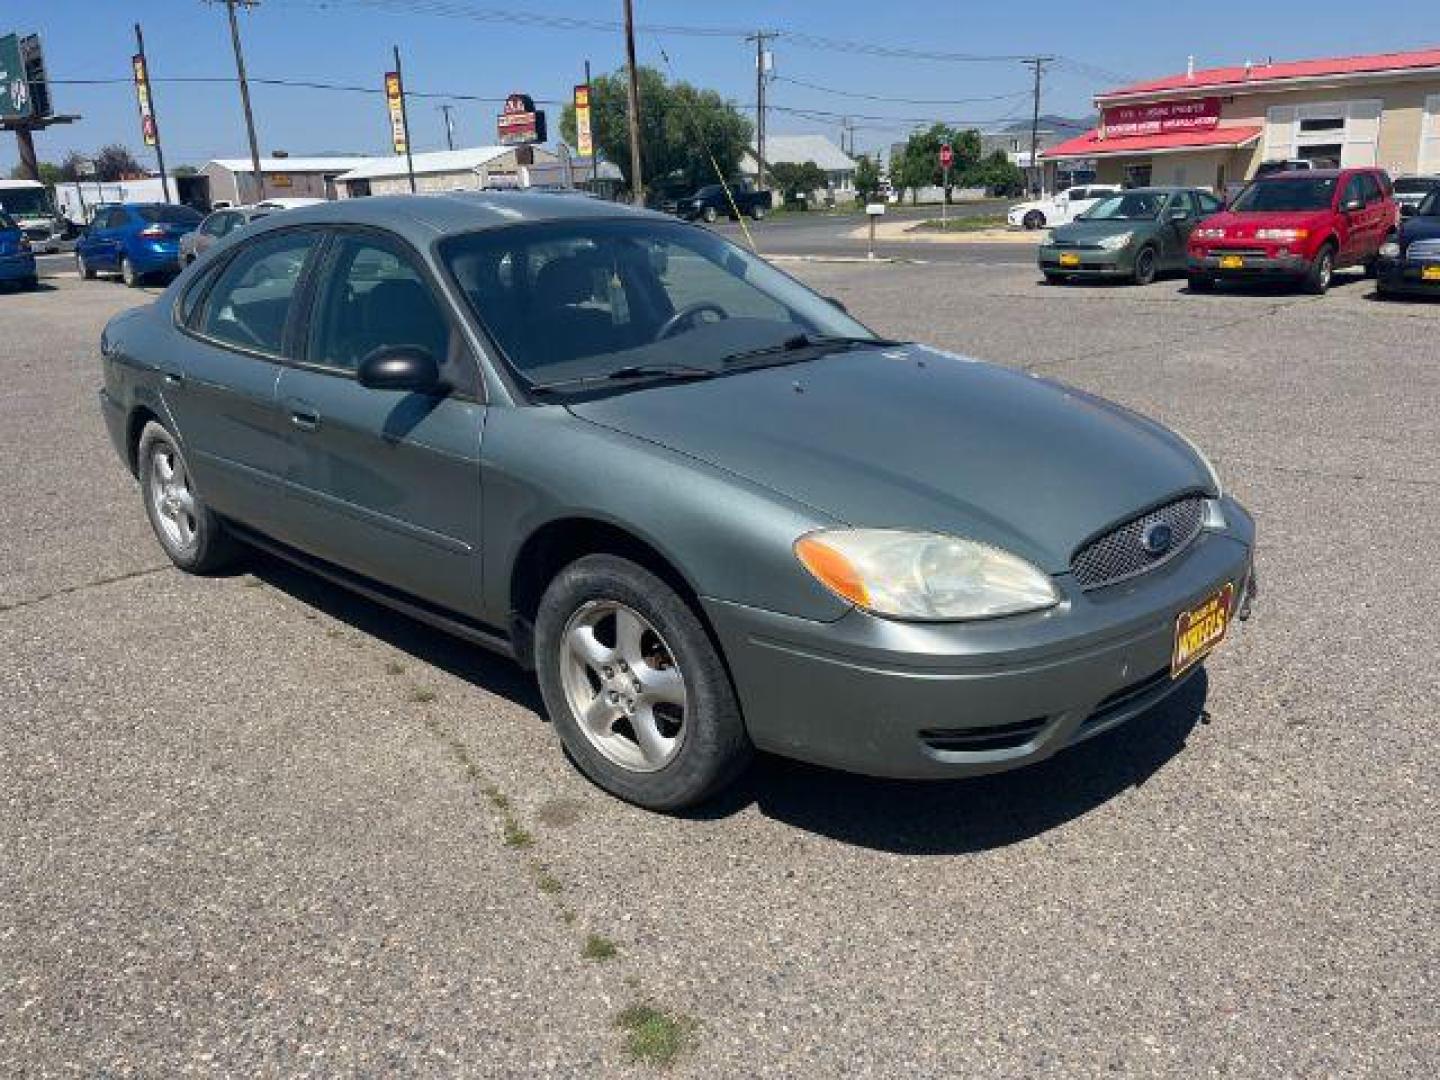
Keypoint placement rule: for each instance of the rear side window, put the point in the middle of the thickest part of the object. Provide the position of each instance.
(250, 302)
(118, 219)
(216, 224)
(169, 215)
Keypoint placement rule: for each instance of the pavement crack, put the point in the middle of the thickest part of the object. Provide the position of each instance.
(70, 590)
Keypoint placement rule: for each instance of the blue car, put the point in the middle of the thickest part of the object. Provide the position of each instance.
(137, 241)
(17, 262)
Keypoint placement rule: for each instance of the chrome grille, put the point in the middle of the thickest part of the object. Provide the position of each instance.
(1121, 553)
(1424, 249)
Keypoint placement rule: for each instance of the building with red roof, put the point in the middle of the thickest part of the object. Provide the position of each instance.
(1214, 127)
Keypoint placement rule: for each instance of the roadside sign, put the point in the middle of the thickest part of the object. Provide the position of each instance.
(584, 142)
(16, 102)
(142, 95)
(395, 102)
(33, 60)
(947, 156)
(521, 124)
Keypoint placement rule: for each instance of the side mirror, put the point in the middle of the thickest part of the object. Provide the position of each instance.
(1350, 206)
(1179, 213)
(404, 367)
(835, 302)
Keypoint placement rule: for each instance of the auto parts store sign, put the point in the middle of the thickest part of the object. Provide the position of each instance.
(1198, 114)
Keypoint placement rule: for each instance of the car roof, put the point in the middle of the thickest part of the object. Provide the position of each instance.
(421, 218)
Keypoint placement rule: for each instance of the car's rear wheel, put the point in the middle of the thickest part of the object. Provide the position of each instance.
(636, 689)
(757, 212)
(83, 268)
(192, 536)
(1201, 283)
(1145, 265)
(1033, 220)
(710, 214)
(1317, 281)
(128, 273)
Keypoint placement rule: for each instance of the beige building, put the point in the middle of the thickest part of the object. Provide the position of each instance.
(232, 180)
(1212, 128)
(443, 170)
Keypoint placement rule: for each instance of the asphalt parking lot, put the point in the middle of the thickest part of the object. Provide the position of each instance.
(250, 824)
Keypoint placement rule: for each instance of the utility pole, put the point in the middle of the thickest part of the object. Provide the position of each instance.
(637, 185)
(245, 97)
(405, 121)
(760, 37)
(449, 127)
(1038, 63)
(154, 118)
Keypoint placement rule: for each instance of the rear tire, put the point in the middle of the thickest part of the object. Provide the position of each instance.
(1317, 279)
(83, 268)
(710, 214)
(29, 284)
(757, 212)
(1145, 266)
(1033, 220)
(587, 667)
(189, 532)
(128, 274)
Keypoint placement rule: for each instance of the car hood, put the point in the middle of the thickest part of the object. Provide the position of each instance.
(1244, 225)
(911, 437)
(1091, 231)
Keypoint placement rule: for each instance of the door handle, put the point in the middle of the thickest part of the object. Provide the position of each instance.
(304, 417)
(174, 379)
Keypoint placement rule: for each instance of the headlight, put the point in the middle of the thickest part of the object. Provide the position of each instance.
(1281, 234)
(1209, 234)
(1390, 250)
(1214, 476)
(1116, 242)
(923, 576)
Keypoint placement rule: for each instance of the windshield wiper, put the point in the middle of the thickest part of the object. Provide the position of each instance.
(804, 341)
(629, 372)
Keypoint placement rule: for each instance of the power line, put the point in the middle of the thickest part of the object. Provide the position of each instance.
(900, 100)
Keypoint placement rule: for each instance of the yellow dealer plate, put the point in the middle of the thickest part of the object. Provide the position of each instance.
(1430, 273)
(1232, 262)
(1200, 629)
(1068, 258)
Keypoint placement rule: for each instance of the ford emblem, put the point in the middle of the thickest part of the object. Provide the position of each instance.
(1157, 538)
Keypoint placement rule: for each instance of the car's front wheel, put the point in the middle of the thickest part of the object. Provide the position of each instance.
(1033, 220)
(83, 267)
(757, 212)
(1145, 266)
(710, 214)
(192, 536)
(128, 273)
(1317, 281)
(636, 688)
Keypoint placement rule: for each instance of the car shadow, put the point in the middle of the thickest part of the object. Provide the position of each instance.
(1343, 281)
(927, 817)
(953, 817)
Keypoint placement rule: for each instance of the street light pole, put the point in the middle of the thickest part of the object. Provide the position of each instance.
(1038, 63)
(637, 184)
(245, 98)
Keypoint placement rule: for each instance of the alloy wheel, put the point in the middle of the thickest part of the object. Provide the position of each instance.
(172, 499)
(623, 685)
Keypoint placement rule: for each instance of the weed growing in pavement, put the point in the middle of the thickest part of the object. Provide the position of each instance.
(421, 696)
(597, 947)
(548, 883)
(516, 835)
(652, 1036)
(394, 667)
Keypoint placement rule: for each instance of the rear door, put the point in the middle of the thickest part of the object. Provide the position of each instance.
(220, 386)
(388, 481)
(1354, 232)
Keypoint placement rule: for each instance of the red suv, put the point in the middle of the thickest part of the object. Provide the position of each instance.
(1299, 226)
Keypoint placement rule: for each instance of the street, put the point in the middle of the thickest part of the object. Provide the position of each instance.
(253, 824)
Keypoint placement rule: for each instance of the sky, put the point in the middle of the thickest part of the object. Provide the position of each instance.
(489, 48)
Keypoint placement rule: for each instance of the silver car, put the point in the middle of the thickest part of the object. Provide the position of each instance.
(217, 226)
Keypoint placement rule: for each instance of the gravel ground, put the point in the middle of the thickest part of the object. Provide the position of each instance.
(251, 824)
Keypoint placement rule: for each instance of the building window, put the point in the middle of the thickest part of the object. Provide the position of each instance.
(1322, 123)
(1137, 175)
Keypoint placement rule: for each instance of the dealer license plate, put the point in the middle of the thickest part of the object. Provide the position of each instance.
(1069, 259)
(1232, 262)
(1200, 629)
(1430, 273)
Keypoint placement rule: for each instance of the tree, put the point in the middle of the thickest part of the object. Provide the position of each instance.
(919, 163)
(682, 127)
(867, 178)
(50, 174)
(185, 170)
(997, 174)
(115, 162)
(797, 181)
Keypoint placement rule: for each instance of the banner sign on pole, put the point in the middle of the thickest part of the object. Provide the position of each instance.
(583, 139)
(142, 95)
(394, 100)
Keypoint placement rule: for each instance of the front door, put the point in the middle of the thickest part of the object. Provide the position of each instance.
(1177, 221)
(107, 236)
(389, 481)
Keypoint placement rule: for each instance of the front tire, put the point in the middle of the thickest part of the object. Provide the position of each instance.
(128, 274)
(757, 213)
(710, 214)
(637, 690)
(1145, 266)
(1317, 280)
(190, 533)
(1033, 220)
(83, 268)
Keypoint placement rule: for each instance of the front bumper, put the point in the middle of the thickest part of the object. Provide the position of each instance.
(886, 698)
(1255, 267)
(19, 267)
(1094, 262)
(1399, 275)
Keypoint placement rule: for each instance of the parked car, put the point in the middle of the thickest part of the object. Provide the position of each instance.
(1296, 226)
(1057, 209)
(1270, 168)
(29, 205)
(17, 260)
(1135, 235)
(215, 227)
(1410, 191)
(1410, 261)
(719, 514)
(711, 202)
(293, 202)
(135, 240)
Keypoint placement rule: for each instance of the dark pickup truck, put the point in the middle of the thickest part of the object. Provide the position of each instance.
(711, 201)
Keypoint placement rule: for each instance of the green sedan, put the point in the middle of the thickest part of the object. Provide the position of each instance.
(1135, 235)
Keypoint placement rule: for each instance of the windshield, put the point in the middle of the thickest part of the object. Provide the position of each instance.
(1292, 193)
(1431, 206)
(25, 202)
(1132, 206)
(169, 215)
(579, 300)
(1415, 185)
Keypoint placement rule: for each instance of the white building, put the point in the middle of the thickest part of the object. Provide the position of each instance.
(232, 179)
(443, 170)
(838, 166)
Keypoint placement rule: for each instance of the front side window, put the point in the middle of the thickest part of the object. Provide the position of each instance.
(216, 224)
(250, 302)
(1287, 194)
(1431, 206)
(374, 298)
(118, 219)
(574, 300)
(1209, 204)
